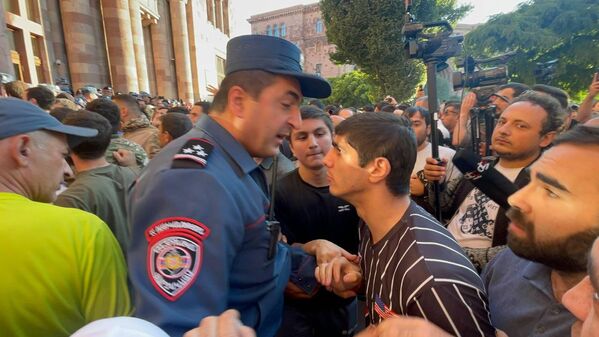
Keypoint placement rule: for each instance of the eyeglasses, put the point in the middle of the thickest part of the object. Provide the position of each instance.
(503, 98)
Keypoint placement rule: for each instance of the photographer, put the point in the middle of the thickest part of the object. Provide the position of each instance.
(500, 99)
(524, 129)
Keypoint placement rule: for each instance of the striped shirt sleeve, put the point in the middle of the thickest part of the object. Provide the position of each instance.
(459, 309)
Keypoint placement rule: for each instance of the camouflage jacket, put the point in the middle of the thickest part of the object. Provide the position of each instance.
(140, 131)
(118, 142)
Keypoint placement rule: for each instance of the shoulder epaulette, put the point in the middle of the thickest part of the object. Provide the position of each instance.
(193, 153)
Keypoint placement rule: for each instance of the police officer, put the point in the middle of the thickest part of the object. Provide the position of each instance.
(200, 242)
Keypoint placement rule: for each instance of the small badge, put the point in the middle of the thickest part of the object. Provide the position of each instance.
(175, 252)
(382, 309)
(195, 149)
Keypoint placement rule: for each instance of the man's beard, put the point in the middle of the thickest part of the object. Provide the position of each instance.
(567, 254)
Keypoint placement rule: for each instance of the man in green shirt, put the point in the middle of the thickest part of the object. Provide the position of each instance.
(99, 187)
(64, 266)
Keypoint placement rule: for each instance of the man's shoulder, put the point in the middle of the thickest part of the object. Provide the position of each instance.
(122, 142)
(505, 261)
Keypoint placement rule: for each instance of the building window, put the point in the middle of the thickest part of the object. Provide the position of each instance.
(210, 11)
(283, 30)
(319, 26)
(11, 6)
(32, 10)
(220, 69)
(37, 44)
(318, 69)
(268, 32)
(275, 30)
(16, 46)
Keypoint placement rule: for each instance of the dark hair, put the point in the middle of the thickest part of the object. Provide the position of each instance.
(252, 81)
(388, 108)
(452, 104)
(108, 109)
(313, 112)
(176, 124)
(331, 109)
(411, 111)
(375, 135)
(178, 109)
(15, 89)
(518, 88)
(581, 135)
(368, 108)
(380, 105)
(554, 92)
(93, 147)
(205, 106)
(60, 113)
(42, 95)
(317, 103)
(555, 114)
(129, 101)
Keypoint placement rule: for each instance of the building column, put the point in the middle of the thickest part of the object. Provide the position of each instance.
(77, 23)
(182, 53)
(138, 46)
(119, 39)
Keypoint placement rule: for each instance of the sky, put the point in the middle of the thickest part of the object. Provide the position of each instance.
(480, 13)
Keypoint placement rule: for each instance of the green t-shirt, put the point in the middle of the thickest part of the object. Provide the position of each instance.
(62, 269)
(103, 191)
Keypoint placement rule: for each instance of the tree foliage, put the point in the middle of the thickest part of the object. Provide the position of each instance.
(353, 89)
(544, 30)
(367, 33)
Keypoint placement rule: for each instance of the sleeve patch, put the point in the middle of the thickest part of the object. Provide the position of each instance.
(196, 150)
(174, 256)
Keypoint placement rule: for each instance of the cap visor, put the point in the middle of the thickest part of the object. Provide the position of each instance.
(312, 86)
(73, 130)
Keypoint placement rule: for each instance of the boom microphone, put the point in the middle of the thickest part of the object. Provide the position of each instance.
(485, 177)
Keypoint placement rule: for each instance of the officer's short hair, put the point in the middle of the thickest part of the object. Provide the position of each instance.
(252, 81)
(93, 147)
(108, 109)
(176, 124)
(313, 112)
(385, 135)
(42, 95)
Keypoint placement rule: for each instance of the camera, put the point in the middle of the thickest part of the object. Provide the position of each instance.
(474, 76)
(545, 72)
(438, 46)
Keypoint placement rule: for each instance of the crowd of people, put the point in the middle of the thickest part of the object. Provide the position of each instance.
(264, 213)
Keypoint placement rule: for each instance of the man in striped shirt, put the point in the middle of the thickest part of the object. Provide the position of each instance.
(410, 264)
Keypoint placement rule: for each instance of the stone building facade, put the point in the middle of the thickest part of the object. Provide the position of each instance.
(172, 48)
(304, 26)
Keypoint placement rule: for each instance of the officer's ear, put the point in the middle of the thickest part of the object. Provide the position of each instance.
(236, 101)
(21, 149)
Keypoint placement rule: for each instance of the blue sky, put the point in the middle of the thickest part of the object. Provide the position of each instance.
(482, 8)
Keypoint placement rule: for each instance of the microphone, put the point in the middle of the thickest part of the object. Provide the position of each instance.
(485, 177)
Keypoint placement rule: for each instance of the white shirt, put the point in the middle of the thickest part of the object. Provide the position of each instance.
(444, 153)
(474, 222)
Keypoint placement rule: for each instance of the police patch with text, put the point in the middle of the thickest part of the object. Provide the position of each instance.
(196, 150)
(174, 257)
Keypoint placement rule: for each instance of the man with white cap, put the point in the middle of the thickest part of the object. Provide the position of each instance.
(64, 267)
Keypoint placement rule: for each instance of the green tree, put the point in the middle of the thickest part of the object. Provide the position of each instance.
(367, 33)
(353, 89)
(544, 30)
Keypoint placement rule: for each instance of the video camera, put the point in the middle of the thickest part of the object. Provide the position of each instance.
(545, 72)
(439, 46)
(475, 77)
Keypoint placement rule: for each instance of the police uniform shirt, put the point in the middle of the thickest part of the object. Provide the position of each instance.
(418, 269)
(308, 213)
(200, 242)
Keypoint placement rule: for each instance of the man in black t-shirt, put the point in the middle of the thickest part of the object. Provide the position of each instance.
(307, 212)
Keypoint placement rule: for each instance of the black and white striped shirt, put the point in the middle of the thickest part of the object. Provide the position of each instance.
(418, 269)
